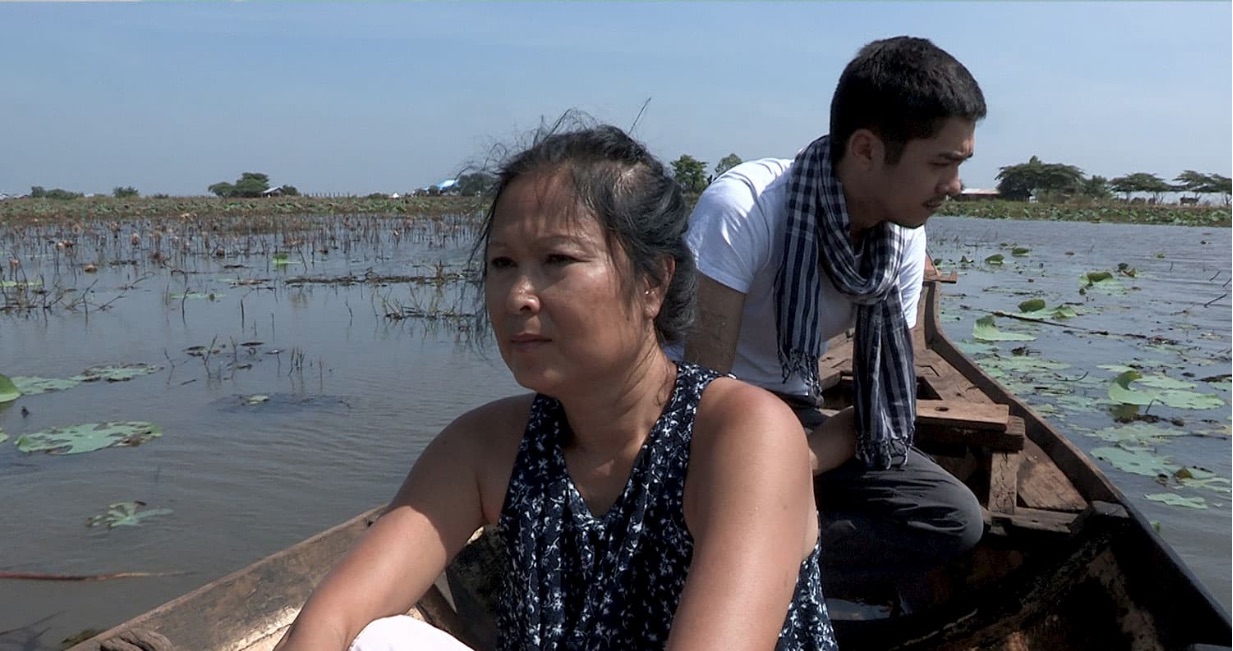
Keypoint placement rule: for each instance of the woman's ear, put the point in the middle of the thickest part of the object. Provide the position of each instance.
(654, 294)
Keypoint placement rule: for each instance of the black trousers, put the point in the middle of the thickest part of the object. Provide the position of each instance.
(886, 528)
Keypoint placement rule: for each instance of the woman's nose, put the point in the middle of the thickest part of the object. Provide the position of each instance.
(522, 295)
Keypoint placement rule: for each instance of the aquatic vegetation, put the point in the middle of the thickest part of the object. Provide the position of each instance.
(8, 391)
(88, 437)
(1137, 460)
(1178, 398)
(116, 372)
(3, 437)
(986, 330)
(33, 386)
(997, 259)
(1173, 499)
(125, 514)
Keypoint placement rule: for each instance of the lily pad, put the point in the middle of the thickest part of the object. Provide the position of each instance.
(88, 437)
(1199, 478)
(116, 372)
(1139, 461)
(1023, 364)
(1020, 251)
(8, 391)
(1163, 382)
(996, 259)
(985, 330)
(1138, 433)
(124, 514)
(1032, 305)
(1179, 399)
(32, 386)
(1173, 499)
(1120, 391)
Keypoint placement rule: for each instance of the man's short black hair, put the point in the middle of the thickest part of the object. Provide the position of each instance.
(901, 88)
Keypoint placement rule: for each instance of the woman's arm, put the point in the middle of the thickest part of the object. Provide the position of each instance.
(435, 511)
(749, 507)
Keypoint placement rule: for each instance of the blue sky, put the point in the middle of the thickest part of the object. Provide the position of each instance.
(389, 97)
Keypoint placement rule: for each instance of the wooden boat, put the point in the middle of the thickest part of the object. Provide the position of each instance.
(1065, 563)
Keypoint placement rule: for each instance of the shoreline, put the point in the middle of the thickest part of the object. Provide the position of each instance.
(28, 211)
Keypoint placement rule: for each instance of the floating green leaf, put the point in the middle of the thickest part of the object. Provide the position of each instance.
(32, 386)
(1139, 461)
(1116, 368)
(88, 437)
(116, 372)
(1120, 391)
(1163, 382)
(1199, 478)
(1023, 364)
(8, 391)
(1173, 499)
(3, 437)
(995, 259)
(985, 330)
(1093, 277)
(1020, 251)
(1179, 399)
(1032, 305)
(1138, 433)
(124, 514)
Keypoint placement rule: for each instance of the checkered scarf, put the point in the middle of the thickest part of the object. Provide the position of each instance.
(882, 363)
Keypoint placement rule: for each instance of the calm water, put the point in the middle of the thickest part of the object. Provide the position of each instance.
(355, 395)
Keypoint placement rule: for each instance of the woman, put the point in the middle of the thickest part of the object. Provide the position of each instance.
(642, 504)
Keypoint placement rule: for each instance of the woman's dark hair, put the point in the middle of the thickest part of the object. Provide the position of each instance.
(637, 202)
(902, 89)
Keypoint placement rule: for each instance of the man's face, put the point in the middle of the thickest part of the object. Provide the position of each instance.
(912, 189)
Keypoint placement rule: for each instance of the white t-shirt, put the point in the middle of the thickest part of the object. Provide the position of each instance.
(736, 233)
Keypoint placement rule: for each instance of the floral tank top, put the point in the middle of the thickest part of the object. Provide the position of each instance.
(578, 582)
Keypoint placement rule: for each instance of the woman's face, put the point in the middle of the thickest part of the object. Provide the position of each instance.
(554, 292)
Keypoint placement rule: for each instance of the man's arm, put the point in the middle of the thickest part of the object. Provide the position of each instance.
(713, 341)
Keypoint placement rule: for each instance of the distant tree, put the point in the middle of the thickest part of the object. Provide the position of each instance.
(1019, 182)
(290, 191)
(1095, 187)
(252, 184)
(690, 173)
(61, 194)
(126, 192)
(37, 192)
(726, 163)
(1221, 185)
(1141, 182)
(475, 184)
(222, 189)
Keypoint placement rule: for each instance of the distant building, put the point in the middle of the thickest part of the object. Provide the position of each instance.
(273, 192)
(978, 194)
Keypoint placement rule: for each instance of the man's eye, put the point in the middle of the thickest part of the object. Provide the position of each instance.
(500, 263)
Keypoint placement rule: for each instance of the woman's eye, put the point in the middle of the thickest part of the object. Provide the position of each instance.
(500, 263)
(559, 258)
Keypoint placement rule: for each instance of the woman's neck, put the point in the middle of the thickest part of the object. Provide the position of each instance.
(614, 418)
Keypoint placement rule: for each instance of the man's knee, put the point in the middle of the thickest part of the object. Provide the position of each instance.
(963, 524)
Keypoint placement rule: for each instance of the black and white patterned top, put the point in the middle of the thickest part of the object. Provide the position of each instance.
(575, 581)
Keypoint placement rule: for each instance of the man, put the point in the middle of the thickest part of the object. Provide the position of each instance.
(790, 253)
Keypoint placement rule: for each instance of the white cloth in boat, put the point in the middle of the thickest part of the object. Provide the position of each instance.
(405, 633)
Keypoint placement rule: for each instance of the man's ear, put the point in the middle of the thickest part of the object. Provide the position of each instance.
(864, 148)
